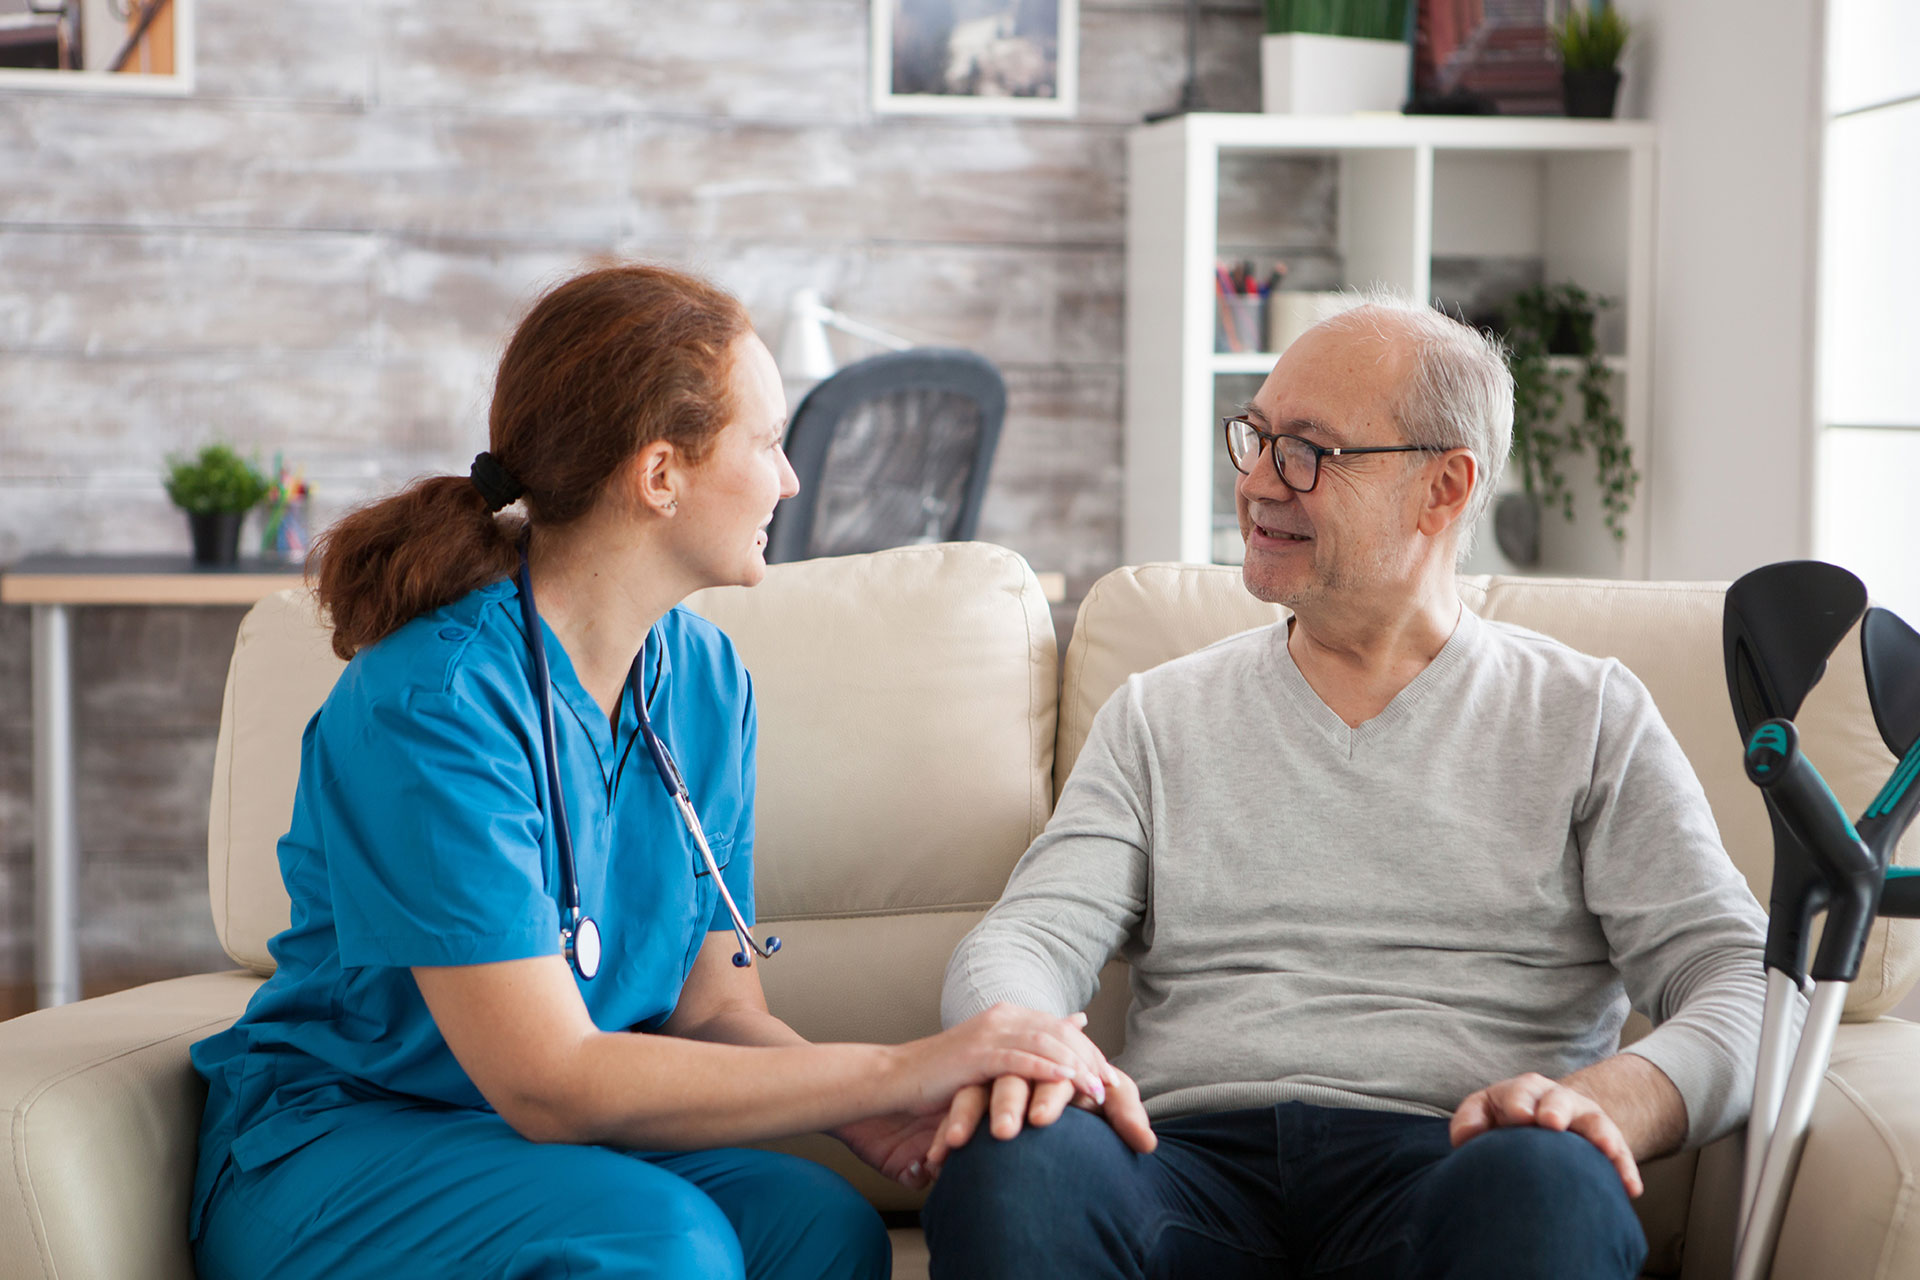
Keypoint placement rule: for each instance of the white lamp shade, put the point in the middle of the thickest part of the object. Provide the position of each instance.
(805, 355)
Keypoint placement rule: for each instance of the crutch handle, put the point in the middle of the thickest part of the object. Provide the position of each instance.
(1809, 810)
(1901, 897)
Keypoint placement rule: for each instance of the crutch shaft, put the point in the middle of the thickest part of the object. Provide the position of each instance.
(1769, 1082)
(1757, 1242)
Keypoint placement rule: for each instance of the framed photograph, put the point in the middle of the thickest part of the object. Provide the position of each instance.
(1497, 53)
(976, 57)
(97, 46)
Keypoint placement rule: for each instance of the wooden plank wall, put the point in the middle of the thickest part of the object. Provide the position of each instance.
(322, 248)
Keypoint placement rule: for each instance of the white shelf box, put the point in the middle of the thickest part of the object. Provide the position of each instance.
(1562, 199)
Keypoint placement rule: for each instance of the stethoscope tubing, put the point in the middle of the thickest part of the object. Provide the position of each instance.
(573, 924)
(543, 683)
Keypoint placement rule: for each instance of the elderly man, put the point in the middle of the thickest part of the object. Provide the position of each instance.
(1389, 877)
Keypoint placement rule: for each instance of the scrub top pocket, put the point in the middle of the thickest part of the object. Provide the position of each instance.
(722, 847)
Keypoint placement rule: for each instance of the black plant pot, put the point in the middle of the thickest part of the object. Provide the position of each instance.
(1589, 94)
(1516, 528)
(216, 536)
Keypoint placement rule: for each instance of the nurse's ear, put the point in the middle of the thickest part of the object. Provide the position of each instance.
(653, 478)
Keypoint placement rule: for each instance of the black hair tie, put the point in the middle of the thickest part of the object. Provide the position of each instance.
(495, 483)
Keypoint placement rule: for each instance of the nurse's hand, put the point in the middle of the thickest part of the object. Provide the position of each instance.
(895, 1144)
(1006, 1040)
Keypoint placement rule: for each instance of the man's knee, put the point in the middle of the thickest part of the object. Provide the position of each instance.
(1528, 1166)
(1001, 1204)
(1029, 1172)
(1543, 1199)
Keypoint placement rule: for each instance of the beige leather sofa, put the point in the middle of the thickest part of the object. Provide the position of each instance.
(915, 722)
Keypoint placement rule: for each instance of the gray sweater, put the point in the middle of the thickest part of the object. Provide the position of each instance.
(1473, 884)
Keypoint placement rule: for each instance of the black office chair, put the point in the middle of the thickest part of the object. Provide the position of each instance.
(892, 450)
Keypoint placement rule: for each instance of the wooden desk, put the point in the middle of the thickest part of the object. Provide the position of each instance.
(50, 585)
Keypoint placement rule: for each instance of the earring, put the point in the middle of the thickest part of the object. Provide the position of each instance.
(674, 505)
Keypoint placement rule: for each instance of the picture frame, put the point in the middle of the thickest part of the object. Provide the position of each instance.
(1500, 56)
(43, 49)
(976, 57)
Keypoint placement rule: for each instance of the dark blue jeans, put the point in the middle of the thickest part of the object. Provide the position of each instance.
(1292, 1190)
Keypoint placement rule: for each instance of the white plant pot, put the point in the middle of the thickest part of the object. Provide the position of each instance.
(1311, 75)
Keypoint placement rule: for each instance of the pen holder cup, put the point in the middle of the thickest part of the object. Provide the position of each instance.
(284, 531)
(1239, 322)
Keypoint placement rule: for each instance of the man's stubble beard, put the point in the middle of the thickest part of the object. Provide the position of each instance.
(1376, 568)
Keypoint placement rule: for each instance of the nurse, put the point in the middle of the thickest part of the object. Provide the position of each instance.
(429, 1085)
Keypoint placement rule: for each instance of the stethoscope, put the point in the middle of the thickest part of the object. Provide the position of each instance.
(579, 935)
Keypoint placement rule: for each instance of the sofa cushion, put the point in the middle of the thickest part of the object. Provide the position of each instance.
(906, 727)
(282, 670)
(1667, 634)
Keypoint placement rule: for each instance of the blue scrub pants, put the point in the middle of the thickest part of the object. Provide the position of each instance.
(1286, 1191)
(411, 1191)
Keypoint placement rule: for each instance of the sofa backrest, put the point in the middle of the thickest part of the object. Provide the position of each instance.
(907, 705)
(282, 670)
(906, 702)
(1666, 633)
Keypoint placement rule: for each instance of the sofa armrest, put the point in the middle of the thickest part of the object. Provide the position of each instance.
(1851, 1214)
(102, 1109)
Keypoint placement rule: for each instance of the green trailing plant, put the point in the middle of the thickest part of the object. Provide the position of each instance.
(1591, 38)
(214, 480)
(1366, 19)
(1542, 322)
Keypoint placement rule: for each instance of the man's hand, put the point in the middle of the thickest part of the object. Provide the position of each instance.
(1014, 1103)
(895, 1144)
(1532, 1099)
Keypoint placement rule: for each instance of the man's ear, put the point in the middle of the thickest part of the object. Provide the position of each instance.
(1449, 486)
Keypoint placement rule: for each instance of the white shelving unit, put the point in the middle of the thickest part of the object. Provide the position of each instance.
(1577, 195)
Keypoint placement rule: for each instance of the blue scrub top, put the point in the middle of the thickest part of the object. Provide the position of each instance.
(420, 837)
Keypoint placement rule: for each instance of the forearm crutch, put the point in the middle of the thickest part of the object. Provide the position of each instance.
(1842, 866)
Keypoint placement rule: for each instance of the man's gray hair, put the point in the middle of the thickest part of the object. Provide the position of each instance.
(1459, 394)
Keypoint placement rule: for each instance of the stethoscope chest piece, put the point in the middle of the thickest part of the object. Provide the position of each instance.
(583, 948)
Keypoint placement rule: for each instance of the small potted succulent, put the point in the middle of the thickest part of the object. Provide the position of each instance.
(216, 488)
(1590, 42)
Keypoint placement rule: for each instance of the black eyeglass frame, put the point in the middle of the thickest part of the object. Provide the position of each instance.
(1270, 445)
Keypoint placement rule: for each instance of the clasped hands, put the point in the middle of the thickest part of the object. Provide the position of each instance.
(1012, 1102)
(910, 1147)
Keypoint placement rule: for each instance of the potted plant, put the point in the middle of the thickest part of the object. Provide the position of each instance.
(1590, 41)
(1335, 57)
(1541, 323)
(216, 488)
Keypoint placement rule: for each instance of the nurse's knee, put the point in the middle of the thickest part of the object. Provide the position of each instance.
(686, 1237)
(824, 1228)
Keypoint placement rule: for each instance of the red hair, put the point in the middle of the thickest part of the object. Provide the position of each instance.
(604, 365)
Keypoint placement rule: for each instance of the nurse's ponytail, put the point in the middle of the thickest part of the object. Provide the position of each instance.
(604, 365)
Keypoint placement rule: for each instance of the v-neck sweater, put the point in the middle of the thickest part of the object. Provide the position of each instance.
(1475, 883)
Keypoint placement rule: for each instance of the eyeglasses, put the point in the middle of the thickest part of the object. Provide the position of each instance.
(1295, 461)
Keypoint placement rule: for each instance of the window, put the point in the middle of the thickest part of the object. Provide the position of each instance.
(1867, 512)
